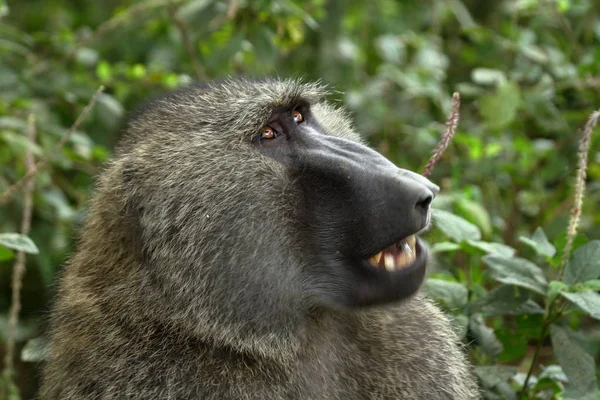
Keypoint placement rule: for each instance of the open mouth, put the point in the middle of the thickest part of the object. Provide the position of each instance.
(394, 273)
(401, 255)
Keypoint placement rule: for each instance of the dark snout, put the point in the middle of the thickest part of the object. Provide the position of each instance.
(359, 195)
(415, 193)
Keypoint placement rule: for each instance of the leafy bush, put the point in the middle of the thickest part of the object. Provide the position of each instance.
(524, 300)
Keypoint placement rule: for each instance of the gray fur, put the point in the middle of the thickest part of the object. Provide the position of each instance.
(187, 282)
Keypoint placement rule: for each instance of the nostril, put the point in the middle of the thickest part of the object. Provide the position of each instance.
(425, 201)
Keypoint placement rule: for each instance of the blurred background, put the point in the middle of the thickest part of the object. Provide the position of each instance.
(529, 76)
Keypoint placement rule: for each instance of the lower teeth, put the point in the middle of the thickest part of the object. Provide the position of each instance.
(389, 263)
(396, 257)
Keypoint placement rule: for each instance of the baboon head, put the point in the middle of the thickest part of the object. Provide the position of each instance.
(253, 203)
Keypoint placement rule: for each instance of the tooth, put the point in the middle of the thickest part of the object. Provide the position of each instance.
(375, 259)
(403, 259)
(406, 248)
(412, 241)
(389, 262)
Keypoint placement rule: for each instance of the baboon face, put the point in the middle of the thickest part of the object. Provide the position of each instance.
(360, 211)
(260, 196)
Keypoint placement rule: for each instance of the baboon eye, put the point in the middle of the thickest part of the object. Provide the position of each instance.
(298, 118)
(268, 133)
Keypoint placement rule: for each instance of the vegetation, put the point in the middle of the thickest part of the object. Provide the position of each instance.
(517, 235)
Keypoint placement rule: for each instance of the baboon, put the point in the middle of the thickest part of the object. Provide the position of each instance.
(244, 243)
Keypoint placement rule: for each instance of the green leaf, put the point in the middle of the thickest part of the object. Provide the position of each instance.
(13, 123)
(534, 53)
(56, 198)
(493, 248)
(563, 5)
(104, 71)
(20, 142)
(517, 271)
(492, 375)
(18, 242)
(25, 328)
(554, 372)
(475, 213)
(460, 325)
(6, 254)
(488, 76)
(587, 301)
(4, 10)
(87, 56)
(539, 242)
(506, 300)
(555, 288)
(8, 386)
(453, 294)
(444, 246)
(391, 48)
(455, 227)
(190, 11)
(109, 108)
(500, 108)
(592, 284)
(529, 307)
(576, 363)
(584, 264)
(485, 336)
(34, 350)
(560, 242)
(295, 9)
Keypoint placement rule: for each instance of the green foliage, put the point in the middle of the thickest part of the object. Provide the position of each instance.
(8, 388)
(584, 265)
(577, 364)
(527, 72)
(523, 287)
(516, 271)
(539, 242)
(18, 242)
(455, 227)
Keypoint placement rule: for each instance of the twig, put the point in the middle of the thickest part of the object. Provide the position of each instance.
(553, 312)
(187, 43)
(551, 316)
(536, 353)
(133, 12)
(511, 221)
(129, 14)
(41, 164)
(19, 267)
(451, 125)
(232, 9)
(584, 146)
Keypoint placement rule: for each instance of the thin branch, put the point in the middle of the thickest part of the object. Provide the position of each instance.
(536, 353)
(232, 9)
(187, 43)
(554, 311)
(511, 220)
(41, 164)
(451, 125)
(135, 12)
(19, 267)
(129, 14)
(584, 146)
